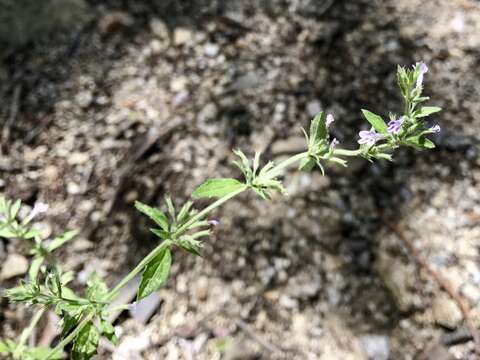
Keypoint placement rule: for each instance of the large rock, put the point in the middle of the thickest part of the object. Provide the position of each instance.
(446, 312)
(377, 347)
(399, 278)
(15, 265)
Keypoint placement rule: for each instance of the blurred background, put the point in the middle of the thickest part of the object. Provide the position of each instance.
(106, 102)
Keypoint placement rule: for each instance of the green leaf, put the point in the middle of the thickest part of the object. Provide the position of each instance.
(34, 267)
(86, 343)
(69, 320)
(161, 234)
(155, 274)
(40, 352)
(307, 163)
(184, 212)
(96, 288)
(426, 111)
(7, 346)
(154, 214)
(376, 121)
(108, 331)
(15, 208)
(170, 206)
(7, 233)
(62, 239)
(32, 233)
(256, 162)
(318, 128)
(217, 188)
(189, 244)
(420, 142)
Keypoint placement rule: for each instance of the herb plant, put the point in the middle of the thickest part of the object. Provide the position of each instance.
(83, 317)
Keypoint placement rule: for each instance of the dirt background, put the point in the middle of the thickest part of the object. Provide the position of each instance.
(143, 98)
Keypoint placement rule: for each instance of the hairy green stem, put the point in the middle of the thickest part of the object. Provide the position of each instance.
(272, 173)
(345, 152)
(69, 338)
(208, 209)
(278, 169)
(27, 331)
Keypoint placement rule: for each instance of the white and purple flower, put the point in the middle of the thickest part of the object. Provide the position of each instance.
(395, 125)
(329, 120)
(369, 137)
(38, 209)
(213, 222)
(423, 69)
(435, 129)
(334, 143)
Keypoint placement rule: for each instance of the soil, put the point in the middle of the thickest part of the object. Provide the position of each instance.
(148, 98)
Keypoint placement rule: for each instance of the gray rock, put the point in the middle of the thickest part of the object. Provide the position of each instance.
(84, 98)
(304, 286)
(241, 350)
(159, 29)
(211, 49)
(208, 112)
(376, 347)
(446, 312)
(15, 265)
(289, 146)
(472, 293)
(399, 278)
(182, 36)
(248, 81)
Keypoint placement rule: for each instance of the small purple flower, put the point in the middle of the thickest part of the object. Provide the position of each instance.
(395, 125)
(38, 209)
(435, 129)
(369, 137)
(213, 222)
(423, 69)
(330, 119)
(334, 143)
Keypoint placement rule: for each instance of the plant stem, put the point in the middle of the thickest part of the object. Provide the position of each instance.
(345, 152)
(112, 293)
(208, 209)
(69, 338)
(27, 331)
(277, 170)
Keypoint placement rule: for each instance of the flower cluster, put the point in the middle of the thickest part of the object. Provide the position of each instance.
(409, 129)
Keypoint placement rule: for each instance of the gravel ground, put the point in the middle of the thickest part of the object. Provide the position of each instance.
(149, 98)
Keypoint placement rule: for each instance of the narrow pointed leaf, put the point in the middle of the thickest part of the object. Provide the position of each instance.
(86, 343)
(155, 274)
(15, 208)
(427, 111)
(217, 188)
(35, 267)
(62, 239)
(154, 214)
(376, 121)
(318, 128)
(307, 164)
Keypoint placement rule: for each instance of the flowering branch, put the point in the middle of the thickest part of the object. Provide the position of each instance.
(84, 317)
